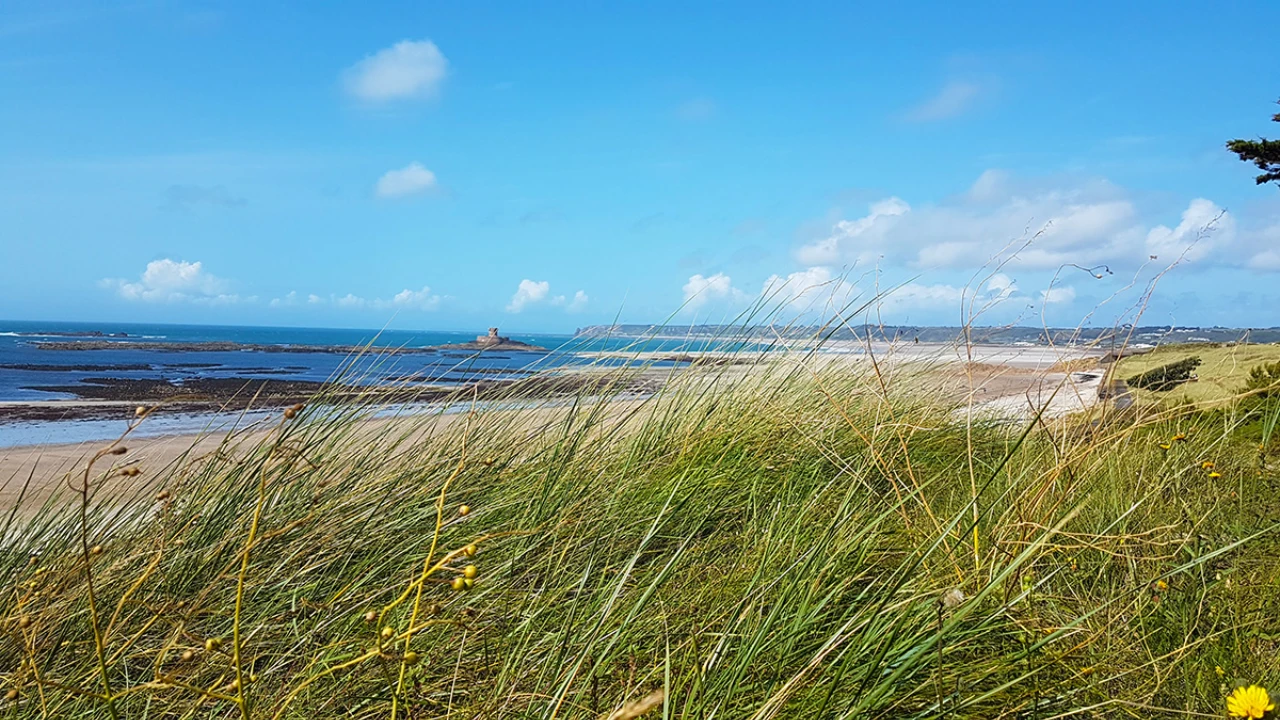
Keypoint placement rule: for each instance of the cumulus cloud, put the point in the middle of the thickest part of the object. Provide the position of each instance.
(416, 299)
(406, 299)
(1204, 226)
(700, 290)
(1087, 224)
(529, 292)
(1055, 295)
(287, 301)
(856, 240)
(578, 303)
(808, 289)
(174, 281)
(408, 69)
(412, 179)
(953, 99)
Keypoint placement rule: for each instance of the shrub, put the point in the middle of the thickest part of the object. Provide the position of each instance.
(1264, 380)
(1166, 377)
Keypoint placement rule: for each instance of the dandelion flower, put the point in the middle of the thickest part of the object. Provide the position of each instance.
(1249, 702)
(1215, 475)
(1162, 585)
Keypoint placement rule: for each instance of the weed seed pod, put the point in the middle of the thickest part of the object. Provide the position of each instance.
(24, 622)
(371, 617)
(464, 510)
(95, 550)
(139, 411)
(459, 583)
(162, 495)
(11, 695)
(470, 571)
(469, 551)
(187, 655)
(411, 658)
(118, 450)
(212, 644)
(388, 632)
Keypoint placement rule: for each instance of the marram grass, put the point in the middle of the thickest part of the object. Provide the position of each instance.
(782, 541)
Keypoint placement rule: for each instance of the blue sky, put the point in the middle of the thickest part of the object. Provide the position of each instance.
(546, 166)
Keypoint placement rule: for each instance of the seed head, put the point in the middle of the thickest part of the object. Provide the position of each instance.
(95, 550)
(12, 694)
(952, 598)
(388, 632)
(119, 450)
(468, 583)
(139, 411)
(162, 495)
(290, 413)
(187, 655)
(411, 658)
(469, 551)
(24, 622)
(464, 510)
(371, 617)
(470, 571)
(212, 644)
(459, 583)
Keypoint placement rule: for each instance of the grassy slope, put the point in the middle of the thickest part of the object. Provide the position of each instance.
(771, 546)
(1221, 376)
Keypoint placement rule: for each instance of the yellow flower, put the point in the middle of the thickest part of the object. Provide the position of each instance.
(1206, 465)
(1215, 475)
(1180, 437)
(1249, 702)
(1162, 585)
(1164, 446)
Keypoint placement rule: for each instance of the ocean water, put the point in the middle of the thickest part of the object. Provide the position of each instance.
(27, 372)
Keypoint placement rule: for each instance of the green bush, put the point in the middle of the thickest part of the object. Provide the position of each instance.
(1264, 380)
(1166, 377)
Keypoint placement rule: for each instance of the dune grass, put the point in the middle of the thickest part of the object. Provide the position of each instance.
(798, 540)
(1222, 374)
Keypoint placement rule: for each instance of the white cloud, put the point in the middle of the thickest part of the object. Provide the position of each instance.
(529, 292)
(953, 99)
(287, 301)
(408, 69)
(578, 303)
(413, 299)
(700, 290)
(412, 179)
(849, 236)
(404, 300)
(1054, 295)
(810, 289)
(174, 281)
(1086, 224)
(1204, 226)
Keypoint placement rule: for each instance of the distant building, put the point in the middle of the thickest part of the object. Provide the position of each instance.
(493, 338)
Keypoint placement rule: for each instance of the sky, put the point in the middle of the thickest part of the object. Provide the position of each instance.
(546, 166)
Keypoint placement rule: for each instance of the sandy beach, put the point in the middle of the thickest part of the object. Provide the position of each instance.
(990, 381)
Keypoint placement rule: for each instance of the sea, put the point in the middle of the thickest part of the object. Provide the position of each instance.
(30, 374)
